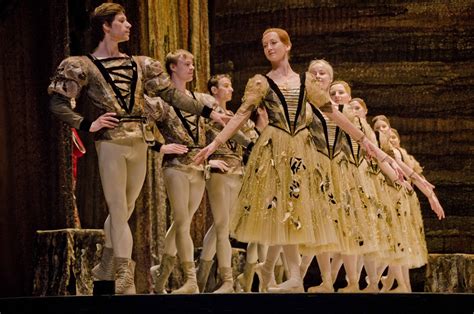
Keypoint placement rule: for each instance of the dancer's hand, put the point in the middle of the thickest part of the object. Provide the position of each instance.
(205, 152)
(369, 148)
(220, 118)
(219, 164)
(107, 120)
(436, 206)
(406, 185)
(173, 149)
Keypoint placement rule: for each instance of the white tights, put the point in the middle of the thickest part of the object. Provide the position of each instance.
(222, 191)
(122, 168)
(185, 190)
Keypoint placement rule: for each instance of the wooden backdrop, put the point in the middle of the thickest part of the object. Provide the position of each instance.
(410, 60)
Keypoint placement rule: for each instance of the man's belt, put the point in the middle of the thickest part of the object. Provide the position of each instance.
(131, 118)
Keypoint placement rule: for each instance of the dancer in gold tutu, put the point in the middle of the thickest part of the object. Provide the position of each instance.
(358, 228)
(407, 226)
(281, 199)
(352, 212)
(380, 203)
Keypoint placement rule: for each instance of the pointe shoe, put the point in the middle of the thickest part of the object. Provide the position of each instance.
(289, 286)
(245, 279)
(227, 280)
(322, 288)
(371, 289)
(399, 289)
(350, 288)
(160, 274)
(264, 277)
(385, 284)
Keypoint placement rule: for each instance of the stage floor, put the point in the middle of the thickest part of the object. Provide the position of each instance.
(257, 303)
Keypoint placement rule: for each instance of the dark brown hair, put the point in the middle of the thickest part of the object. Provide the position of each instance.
(214, 81)
(103, 14)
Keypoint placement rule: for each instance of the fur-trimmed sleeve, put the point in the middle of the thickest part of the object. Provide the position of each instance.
(69, 78)
(316, 95)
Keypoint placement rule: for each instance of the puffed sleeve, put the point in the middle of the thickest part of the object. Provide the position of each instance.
(69, 78)
(158, 83)
(316, 95)
(156, 108)
(256, 89)
(67, 82)
(249, 130)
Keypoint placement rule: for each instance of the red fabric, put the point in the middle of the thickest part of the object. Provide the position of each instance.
(78, 150)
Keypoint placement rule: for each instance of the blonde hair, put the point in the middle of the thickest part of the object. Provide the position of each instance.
(323, 63)
(361, 102)
(407, 158)
(343, 83)
(381, 117)
(394, 131)
(173, 56)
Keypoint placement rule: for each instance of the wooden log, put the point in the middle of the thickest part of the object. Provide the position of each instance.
(450, 273)
(64, 259)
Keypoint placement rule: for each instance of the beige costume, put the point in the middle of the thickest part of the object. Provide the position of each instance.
(116, 85)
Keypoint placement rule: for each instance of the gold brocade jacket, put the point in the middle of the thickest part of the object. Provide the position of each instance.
(132, 76)
(231, 151)
(179, 127)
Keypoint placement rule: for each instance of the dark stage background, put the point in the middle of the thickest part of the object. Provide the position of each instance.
(413, 62)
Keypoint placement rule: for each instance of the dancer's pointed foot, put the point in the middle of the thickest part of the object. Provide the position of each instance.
(322, 288)
(371, 288)
(264, 277)
(386, 285)
(289, 286)
(400, 289)
(351, 288)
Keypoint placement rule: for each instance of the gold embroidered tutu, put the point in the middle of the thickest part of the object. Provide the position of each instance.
(281, 201)
(419, 251)
(356, 236)
(398, 220)
(373, 202)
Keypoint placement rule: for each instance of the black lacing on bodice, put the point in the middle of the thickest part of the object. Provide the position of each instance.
(122, 79)
(190, 122)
